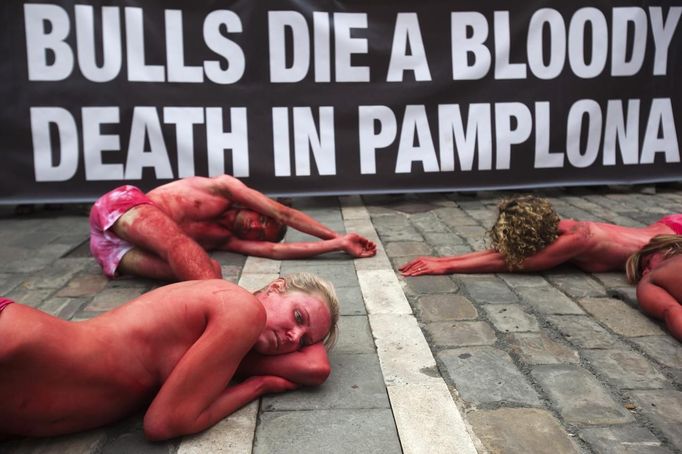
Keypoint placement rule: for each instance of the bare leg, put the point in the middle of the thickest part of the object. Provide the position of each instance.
(149, 228)
(144, 264)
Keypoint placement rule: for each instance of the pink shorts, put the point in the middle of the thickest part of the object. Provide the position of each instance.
(674, 221)
(4, 302)
(107, 248)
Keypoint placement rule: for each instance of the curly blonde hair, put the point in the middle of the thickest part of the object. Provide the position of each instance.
(524, 226)
(314, 285)
(669, 245)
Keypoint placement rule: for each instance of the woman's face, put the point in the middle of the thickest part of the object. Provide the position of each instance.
(294, 320)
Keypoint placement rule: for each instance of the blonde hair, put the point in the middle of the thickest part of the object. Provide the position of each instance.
(524, 226)
(669, 245)
(314, 285)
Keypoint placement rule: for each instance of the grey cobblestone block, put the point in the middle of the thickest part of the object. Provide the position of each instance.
(350, 301)
(420, 285)
(629, 439)
(110, 299)
(354, 335)
(327, 431)
(576, 284)
(548, 300)
(664, 409)
(407, 248)
(33, 298)
(583, 332)
(434, 308)
(9, 282)
(510, 318)
(521, 430)
(610, 280)
(497, 378)
(56, 275)
(515, 280)
(355, 382)
(454, 217)
(628, 295)
(391, 222)
(486, 289)
(471, 232)
(404, 234)
(428, 223)
(340, 274)
(458, 334)
(663, 349)
(443, 239)
(64, 308)
(455, 249)
(619, 317)
(626, 369)
(538, 348)
(579, 397)
(83, 285)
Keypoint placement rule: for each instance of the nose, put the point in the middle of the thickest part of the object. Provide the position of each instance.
(294, 335)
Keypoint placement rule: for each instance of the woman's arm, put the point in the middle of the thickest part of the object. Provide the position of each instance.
(308, 366)
(565, 247)
(351, 243)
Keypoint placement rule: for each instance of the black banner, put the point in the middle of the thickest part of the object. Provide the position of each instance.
(312, 97)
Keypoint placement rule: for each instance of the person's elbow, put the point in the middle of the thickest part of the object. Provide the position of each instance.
(159, 429)
(318, 373)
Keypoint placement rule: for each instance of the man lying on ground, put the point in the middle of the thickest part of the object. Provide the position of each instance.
(529, 236)
(165, 234)
(173, 351)
(657, 268)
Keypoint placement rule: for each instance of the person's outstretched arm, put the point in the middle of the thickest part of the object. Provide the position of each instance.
(566, 246)
(351, 243)
(236, 191)
(308, 366)
(196, 394)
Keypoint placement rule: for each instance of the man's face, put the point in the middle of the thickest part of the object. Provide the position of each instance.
(294, 320)
(249, 225)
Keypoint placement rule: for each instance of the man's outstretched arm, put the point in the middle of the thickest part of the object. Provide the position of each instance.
(351, 243)
(236, 191)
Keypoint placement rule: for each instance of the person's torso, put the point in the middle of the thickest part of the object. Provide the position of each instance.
(197, 209)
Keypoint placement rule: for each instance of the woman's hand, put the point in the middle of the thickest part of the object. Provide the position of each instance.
(423, 265)
(358, 246)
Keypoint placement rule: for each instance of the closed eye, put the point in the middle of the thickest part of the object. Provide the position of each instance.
(298, 317)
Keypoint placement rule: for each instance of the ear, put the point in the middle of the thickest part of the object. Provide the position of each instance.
(278, 286)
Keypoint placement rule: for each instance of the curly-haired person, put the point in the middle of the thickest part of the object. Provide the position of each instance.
(529, 236)
(656, 269)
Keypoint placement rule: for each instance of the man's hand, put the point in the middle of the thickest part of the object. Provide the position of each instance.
(358, 246)
(423, 265)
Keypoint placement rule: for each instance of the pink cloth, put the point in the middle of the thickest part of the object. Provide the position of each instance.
(107, 248)
(4, 302)
(674, 221)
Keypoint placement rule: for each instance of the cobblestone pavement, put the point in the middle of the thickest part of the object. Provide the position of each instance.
(559, 362)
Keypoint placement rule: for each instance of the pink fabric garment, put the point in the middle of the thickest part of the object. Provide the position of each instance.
(4, 302)
(674, 221)
(107, 248)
